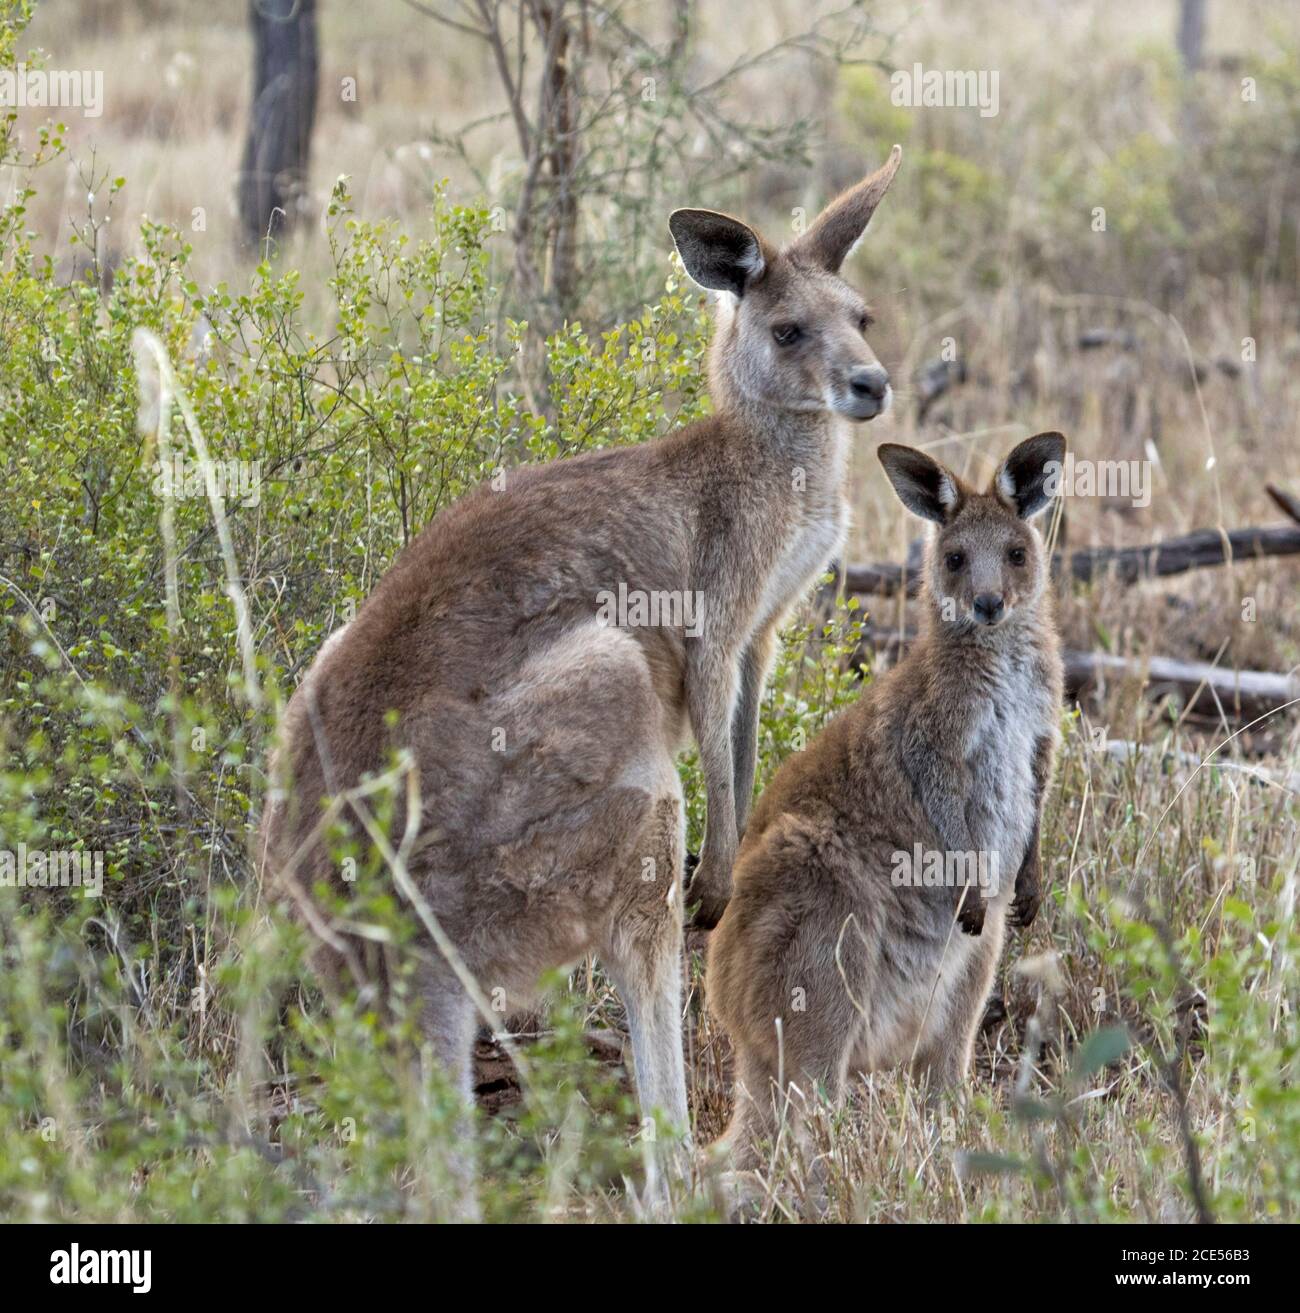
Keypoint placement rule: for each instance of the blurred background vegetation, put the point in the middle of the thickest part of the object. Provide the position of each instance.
(469, 267)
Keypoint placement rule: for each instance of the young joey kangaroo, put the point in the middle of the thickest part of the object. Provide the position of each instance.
(877, 874)
(544, 728)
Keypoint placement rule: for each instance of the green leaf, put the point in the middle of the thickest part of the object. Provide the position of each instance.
(1100, 1049)
(991, 1164)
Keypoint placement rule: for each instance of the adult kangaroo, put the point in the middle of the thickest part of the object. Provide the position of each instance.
(542, 725)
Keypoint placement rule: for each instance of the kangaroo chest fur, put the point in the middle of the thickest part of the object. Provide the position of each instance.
(817, 531)
(1010, 711)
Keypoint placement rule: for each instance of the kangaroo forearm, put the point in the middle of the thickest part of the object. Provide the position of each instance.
(744, 725)
(744, 750)
(709, 703)
(1029, 882)
(955, 837)
(942, 794)
(721, 831)
(939, 784)
(1044, 752)
(1030, 862)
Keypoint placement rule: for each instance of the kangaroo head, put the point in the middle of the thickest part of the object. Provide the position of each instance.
(791, 333)
(986, 561)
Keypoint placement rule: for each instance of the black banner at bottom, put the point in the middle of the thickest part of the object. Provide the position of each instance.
(91, 1263)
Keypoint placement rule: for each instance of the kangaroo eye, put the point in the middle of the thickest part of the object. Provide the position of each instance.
(785, 334)
(955, 560)
(1016, 556)
(865, 320)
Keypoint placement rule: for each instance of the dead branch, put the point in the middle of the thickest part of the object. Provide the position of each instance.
(1285, 501)
(1192, 551)
(1205, 688)
(1202, 687)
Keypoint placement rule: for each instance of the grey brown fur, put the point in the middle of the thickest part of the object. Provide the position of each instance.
(551, 813)
(952, 750)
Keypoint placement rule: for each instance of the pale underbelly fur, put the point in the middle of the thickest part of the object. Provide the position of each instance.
(1000, 813)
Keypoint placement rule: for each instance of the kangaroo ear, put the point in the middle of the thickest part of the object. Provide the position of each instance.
(922, 484)
(839, 227)
(1031, 476)
(719, 252)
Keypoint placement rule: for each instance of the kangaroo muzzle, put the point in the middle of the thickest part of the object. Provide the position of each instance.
(989, 608)
(868, 392)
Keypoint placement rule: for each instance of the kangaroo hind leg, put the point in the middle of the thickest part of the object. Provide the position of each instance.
(642, 951)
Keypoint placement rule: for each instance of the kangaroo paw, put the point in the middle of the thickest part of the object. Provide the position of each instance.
(1025, 905)
(971, 916)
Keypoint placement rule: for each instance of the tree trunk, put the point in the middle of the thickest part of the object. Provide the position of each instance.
(273, 179)
(1191, 33)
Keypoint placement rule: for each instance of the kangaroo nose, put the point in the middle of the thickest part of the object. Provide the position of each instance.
(988, 607)
(869, 381)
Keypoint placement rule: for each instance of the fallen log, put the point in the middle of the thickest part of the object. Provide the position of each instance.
(1203, 688)
(1192, 551)
(879, 579)
(1287, 502)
